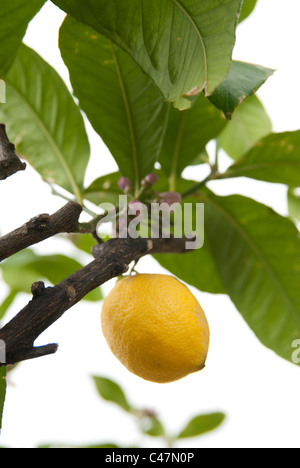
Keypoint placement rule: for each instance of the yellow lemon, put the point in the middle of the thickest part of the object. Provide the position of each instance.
(156, 327)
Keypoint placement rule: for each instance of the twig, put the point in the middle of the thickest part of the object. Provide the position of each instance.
(9, 161)
(40, 228)
(214, 175)
(49, 304)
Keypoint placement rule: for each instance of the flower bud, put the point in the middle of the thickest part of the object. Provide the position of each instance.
(149, 180)
(125, 184)
(170, 198)
(136, 205)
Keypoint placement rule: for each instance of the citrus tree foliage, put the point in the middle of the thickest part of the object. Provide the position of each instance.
(157, 82)
(147, 420)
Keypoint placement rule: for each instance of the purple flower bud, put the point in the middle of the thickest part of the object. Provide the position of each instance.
(170, 198)
(134, 202)
(125, 184)
(150, 180)
(137, 208)
(136, 205)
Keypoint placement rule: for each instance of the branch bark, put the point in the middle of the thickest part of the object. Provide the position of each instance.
(49, 304)
(40, 228)
(9, 161)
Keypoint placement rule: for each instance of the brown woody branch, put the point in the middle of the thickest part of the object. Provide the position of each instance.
(9, 161)
(40, 228)
(49, 304)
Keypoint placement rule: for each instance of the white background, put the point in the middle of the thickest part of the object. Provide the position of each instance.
(54, 400)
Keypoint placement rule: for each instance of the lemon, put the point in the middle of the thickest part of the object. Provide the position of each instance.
(156, 327)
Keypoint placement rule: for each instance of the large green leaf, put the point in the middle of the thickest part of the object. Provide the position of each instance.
(187, 134)
(25, 268)
(197, 268)
(241, 82)
(2, 392)
(257, 253)
(120, 101)
(14, 18)
(249, 124)
(180, 44)
(201, 424)
(275, 159)
(44, 122)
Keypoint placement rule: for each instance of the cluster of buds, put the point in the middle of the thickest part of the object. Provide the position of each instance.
(126, 185)
(142, 212)
(140, 204)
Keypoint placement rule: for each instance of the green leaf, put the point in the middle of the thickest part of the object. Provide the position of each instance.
(197, 268)
(294, 204)
(247, 9)
(14, 18)
(249, 124)
(105, 189)
(243, 80)
(25, 268)
(183, 45)
(2, 392)
(119, 100)
(201, 424)
(44, 122)
(152, 426)
(18, 272)
(7, 302)
(83, 242)
(187, 134)
(257, 253)
(111, 391)
(102, 445)
(202, 158)
(68, 446)
(274, 159)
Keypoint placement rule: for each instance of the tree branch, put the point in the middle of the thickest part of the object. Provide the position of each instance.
(9, 161)
(49, 304)
(40, 228)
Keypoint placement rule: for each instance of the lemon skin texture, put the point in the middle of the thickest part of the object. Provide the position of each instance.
(156, 327)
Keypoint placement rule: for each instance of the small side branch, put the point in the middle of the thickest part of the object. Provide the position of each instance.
(40, 228)
(9, 161)
(49, 304)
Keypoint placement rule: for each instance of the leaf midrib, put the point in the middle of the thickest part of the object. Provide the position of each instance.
(233, 171)
(195, 26)
(129, 120)
(259, 254)
(53, 144)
